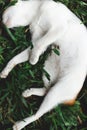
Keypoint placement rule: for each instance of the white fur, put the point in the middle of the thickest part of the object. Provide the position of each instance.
(51, 23)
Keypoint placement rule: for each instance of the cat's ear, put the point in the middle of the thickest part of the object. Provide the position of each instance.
(19, 0)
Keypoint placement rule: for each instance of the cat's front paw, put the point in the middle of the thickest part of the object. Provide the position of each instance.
(18, 125)
(33, 60)
(3, 74)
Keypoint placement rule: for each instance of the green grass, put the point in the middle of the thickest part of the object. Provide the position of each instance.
(13, 106)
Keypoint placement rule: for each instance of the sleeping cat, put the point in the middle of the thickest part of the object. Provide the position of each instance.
(50, 23)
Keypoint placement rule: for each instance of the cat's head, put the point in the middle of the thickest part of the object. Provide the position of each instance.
(19, 14)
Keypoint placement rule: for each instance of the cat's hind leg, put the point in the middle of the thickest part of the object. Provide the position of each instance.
(51, 67)
(34, 91)
(63, 91)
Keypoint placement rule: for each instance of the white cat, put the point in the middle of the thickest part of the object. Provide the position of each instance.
(50, 23)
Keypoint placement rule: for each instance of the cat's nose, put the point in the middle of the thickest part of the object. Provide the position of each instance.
(6, 19)
(7, 22)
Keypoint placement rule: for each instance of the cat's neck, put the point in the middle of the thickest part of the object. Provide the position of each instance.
(33, 9)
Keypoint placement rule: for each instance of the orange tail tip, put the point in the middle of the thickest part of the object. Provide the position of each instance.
(70, 102)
